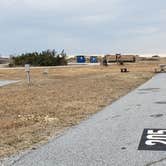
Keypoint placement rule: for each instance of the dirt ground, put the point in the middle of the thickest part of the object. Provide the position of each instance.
(63, 98)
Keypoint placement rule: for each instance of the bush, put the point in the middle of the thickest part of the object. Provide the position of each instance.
(45, 58)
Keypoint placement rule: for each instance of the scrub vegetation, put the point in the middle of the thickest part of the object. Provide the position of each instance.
(44, 58)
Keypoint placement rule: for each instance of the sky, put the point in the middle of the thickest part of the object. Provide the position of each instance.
(83, 26)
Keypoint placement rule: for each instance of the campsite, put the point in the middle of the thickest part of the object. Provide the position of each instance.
(65, 96)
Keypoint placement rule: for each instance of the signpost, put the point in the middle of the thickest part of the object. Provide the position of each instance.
(27, 70)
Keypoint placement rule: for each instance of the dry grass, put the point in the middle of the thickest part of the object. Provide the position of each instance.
(66, 96)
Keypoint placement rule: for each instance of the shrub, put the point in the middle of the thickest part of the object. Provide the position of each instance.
(44, 58)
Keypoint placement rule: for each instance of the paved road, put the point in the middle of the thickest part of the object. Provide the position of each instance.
(6, 82)
(111, 137)
(70, 65)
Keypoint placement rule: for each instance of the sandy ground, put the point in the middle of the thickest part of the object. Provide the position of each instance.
(63, 98)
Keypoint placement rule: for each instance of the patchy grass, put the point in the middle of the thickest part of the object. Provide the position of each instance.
(30, 115)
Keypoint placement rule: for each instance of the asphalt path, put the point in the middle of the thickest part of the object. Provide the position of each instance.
(7, 82)
(70, 65)
(112, 136)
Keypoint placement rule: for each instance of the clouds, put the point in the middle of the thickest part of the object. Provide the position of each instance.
(59, 6)
(89, 26)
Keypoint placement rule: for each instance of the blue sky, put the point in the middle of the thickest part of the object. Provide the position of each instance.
(83, 26)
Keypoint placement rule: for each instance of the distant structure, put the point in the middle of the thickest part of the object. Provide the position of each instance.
(81, 59)
(87, 59)
(117, 58)
(4, 60)
(94, 59)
